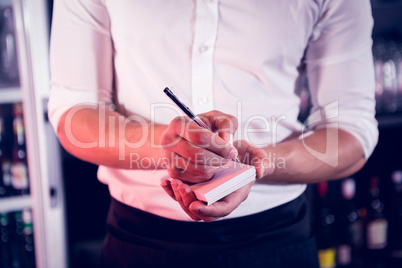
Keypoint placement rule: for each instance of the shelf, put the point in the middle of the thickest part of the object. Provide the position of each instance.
(10, 95)
(387, 18)
(5, 3)
(389, 120)
(14, 203)
(385, 4)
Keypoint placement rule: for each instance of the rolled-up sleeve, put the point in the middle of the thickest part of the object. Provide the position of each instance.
(81, 56)
(340, 70)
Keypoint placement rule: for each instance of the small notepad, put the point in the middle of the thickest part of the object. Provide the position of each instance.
(227, 179)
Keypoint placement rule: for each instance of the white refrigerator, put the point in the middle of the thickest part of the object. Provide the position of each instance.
(45, 199)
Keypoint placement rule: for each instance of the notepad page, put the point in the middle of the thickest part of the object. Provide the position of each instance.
(224, 180)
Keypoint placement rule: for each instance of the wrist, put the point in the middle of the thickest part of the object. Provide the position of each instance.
(266, 165)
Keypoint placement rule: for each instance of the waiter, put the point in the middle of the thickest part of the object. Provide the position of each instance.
(236, 63)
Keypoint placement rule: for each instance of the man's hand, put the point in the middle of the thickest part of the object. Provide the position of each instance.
(197, 210)
(254, 156)
(194, 153)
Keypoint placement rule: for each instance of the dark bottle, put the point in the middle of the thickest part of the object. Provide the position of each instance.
(350, 227)
(5, 241)
(16, 245)
(395, 224)
(8, 53)
(326, 236)
(3, 190)
(19, 166)
(6, 188)
(23, 247)
(376, 227)
(28, 239)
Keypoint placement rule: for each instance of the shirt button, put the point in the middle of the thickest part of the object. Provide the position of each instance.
(203, 101)
(203, 49)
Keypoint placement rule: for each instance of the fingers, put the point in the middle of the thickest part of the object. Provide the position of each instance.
(184, 196)
(198, 150)
(210, 141)
(197, 210)
(212, 212)
(256, 157)
(183, 128)
(168, 189)
(224, 124)
(181, 193)
(188, 171)
(191, 153)
(222, 207)
(187, 195)
(194, 154)
(176, 173)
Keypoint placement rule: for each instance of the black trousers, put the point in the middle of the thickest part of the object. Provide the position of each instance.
(279, 237)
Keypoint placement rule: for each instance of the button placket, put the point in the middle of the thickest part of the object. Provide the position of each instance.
(203, 101)
(203, 49)
(206, 26)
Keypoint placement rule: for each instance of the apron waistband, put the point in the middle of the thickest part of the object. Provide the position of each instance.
(283, 225)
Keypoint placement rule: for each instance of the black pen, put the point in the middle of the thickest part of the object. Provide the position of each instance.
(188, 112)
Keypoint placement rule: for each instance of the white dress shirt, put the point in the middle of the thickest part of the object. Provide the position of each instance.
(240, 57)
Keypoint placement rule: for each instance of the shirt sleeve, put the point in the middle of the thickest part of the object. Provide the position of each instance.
(340, 71)
(81, 55)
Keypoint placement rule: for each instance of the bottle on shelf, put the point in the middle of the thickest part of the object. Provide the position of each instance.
(16, 244)
(3, 190)
(378, 51)
(388, 75)
(8, 54)
(28, 239)
(6, 188)
(349, 227)
(395, 224)
(19, 166)
(326, 236)
(23, 243)
(376, 227)
(5, 241)
(397, 56)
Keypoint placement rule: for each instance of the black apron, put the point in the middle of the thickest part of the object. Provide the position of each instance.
(279, 237)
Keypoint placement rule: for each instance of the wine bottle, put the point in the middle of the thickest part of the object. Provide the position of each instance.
(6, 188)
(396, 220)
(16, 245)
(376, 227)
(8, 50)
(350, 227)
(19, 167)
(28, 246)
(3, 191)
(326, 241)
(5, 241)
(24, 238)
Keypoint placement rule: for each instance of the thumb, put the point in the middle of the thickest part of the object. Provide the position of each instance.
(227, 136)
(226, 126)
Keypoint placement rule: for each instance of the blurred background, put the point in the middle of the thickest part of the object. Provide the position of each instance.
(53, 209)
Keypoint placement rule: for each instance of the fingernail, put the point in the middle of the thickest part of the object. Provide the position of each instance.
(183, 191)
(262, 172)
(197, 209)
(231, 138)
(233, 153)
(174, 185)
